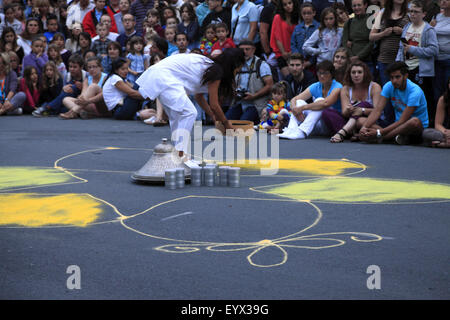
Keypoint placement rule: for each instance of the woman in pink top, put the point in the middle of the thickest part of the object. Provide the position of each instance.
(283, 26)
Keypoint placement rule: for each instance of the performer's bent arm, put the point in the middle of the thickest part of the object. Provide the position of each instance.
(205, 106)
(213, 91)
(122, 86)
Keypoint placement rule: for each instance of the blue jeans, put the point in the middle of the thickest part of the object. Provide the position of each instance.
(127, 110)
(372, 68)
(236, 113)
(56, 105)
(382, 73)
(388, 115)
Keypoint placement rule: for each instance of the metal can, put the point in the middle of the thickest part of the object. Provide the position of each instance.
(180, 177)
(196, 176)
(170, 181)
(208, 174)
(214, 166)
(234, 177)
(223, 176)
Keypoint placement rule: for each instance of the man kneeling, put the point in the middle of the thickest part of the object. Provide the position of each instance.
(410, 106)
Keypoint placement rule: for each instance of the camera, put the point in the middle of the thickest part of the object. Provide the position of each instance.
(240, 94)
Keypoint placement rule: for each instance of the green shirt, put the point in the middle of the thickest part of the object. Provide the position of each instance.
(356, 31)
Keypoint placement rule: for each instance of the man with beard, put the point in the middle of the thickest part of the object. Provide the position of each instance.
(410, 106)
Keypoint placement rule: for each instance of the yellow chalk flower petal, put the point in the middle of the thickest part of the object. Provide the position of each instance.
(307, 166)
(17, 177)
(33, 210)
(355, 190)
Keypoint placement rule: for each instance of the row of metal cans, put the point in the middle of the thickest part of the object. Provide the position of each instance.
(208, 175)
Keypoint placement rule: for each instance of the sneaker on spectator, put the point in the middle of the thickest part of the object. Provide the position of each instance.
(85, 115)
(41, 112)
(15, 112)
(401, 139)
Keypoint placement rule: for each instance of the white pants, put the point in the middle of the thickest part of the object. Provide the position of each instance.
(182, 114)
(311, 125)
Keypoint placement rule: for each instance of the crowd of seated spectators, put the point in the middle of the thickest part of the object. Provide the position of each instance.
(363, 70)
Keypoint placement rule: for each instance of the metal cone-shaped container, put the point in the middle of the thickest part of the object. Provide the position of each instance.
(164, 157)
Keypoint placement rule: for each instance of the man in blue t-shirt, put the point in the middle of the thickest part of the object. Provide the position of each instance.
(409, 103)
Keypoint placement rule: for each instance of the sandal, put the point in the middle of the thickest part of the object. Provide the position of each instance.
(69, 115)
(160, 123)
(339, 137)
(3, 110)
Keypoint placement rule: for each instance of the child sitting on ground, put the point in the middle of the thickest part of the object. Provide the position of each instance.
(182, 43)
(170, 33)
(223, 41)
(59, 40)
(139, 61)
(55, 56)
(29, 84)
(37, 58)
(100, 45)
(152, 24)
(209, 39)
(277, 113)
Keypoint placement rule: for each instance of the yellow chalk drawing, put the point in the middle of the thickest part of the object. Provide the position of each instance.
(257, 257)
(35, 210)
(330, 184)
(20, 177)
(318, 167)
(357, 190)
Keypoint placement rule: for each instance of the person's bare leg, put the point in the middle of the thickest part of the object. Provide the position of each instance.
(346, 130)
(91, 91)
(411, 127)
(69, 103)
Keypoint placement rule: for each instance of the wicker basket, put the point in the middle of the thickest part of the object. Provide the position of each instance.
(242, 127)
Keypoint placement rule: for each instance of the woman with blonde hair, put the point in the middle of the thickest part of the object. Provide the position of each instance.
(10, 100)
(51, 83)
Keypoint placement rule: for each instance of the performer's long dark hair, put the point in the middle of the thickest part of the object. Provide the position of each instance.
(116, 64)
(223, 69)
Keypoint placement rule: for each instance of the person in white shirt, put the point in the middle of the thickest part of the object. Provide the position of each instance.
(77, 11)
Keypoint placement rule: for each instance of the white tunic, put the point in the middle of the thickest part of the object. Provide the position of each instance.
(175, 76)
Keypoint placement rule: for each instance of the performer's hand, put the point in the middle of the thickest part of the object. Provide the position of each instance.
(220, 126)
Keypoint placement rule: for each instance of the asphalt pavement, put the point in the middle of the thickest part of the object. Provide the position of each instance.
(337, 221)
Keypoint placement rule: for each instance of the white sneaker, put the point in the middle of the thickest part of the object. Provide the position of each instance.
(15, 112)
(291, 134)
(150, 120)
(402, 139)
